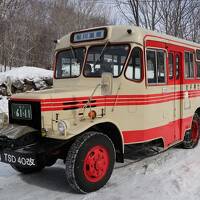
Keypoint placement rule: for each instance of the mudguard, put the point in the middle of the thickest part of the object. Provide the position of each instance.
(14, 131)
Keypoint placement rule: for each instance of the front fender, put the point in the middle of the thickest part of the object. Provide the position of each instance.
(14, 131)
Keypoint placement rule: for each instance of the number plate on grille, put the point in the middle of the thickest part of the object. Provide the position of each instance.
(21, 111)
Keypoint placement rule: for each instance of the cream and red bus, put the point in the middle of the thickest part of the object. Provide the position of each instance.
(113, 86)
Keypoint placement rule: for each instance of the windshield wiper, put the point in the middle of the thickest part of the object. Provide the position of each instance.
(102, 51)
(73, 54)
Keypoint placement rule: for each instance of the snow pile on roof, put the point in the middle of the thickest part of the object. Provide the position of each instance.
(21, 73)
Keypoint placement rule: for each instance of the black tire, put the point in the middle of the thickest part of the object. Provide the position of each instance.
(27, 170)
(84, 150)
(191, 138)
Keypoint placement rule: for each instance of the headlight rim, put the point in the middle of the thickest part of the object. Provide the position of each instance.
(63, 132)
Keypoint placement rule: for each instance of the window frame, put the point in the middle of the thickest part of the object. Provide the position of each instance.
(171, 77)
(56, 60)
(103, 44)
(196, 63)
(197, 52)
(165, 65)
(142, 68)
(189, 78)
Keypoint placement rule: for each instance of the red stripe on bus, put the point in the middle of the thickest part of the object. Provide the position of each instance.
(54, 108)
(121, 100)
(165, 132)
(106, 100)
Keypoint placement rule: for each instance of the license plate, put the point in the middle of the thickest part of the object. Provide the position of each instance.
(21, 111)
(18, 159)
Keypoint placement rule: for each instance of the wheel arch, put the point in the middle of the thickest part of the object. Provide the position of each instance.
(113, 132)
(197, 111)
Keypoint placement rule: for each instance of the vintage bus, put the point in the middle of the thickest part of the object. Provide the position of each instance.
(113, 86)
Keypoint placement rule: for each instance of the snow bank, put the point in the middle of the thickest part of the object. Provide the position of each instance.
(25, 79)
(3, 104)
(25, 72)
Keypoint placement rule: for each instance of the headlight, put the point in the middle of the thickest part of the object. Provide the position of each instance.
(62, 127)
(3, 119)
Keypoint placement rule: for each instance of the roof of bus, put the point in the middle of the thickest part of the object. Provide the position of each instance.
(118, 33)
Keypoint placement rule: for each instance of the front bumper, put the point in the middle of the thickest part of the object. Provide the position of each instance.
(18, 158)
(30, 150)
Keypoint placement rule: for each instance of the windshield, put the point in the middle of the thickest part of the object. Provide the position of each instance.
(69, 63)
(110, 58)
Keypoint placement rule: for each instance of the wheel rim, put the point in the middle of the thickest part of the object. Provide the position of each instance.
(195, 131)
(96, 163)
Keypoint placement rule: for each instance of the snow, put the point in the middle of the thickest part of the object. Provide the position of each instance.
(172, 175)
(3, 104)
(25, 72)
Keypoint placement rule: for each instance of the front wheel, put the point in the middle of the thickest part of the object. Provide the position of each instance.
(191, 138)
(90, 162)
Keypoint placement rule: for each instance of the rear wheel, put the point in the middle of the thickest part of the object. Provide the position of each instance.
(191, 138)
(90, 162)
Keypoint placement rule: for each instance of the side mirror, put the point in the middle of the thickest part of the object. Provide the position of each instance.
(106, 83)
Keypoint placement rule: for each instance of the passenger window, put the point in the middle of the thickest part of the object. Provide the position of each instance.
(156, 66)
(171, 66)
(189, 66)
(161, 66)
(134, 69)
(198, 69)
(198, 54)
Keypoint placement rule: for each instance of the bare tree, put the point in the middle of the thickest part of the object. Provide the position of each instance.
(149, 12)
(28, 27)
(175, 17)
(129, 10)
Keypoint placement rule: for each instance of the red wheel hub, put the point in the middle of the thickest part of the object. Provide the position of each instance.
(96, 163)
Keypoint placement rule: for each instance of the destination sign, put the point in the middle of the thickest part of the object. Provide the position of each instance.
(89, 35)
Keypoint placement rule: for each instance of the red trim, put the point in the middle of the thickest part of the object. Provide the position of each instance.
(193, 46)
(165, 132)
(122, 100)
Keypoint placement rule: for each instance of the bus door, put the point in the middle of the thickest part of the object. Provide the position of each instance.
(174, 61)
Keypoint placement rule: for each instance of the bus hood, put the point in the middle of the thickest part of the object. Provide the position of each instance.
(57, 94)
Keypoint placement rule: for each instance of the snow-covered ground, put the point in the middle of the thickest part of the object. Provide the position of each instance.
(172, 175)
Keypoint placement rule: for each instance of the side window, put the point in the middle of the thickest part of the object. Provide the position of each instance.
(198, 54)
(161, 66)
(171, 65)
(151, 66)
(198, 62)
(156, 72)
(134, 69)
(189, 65)
(198, 69)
